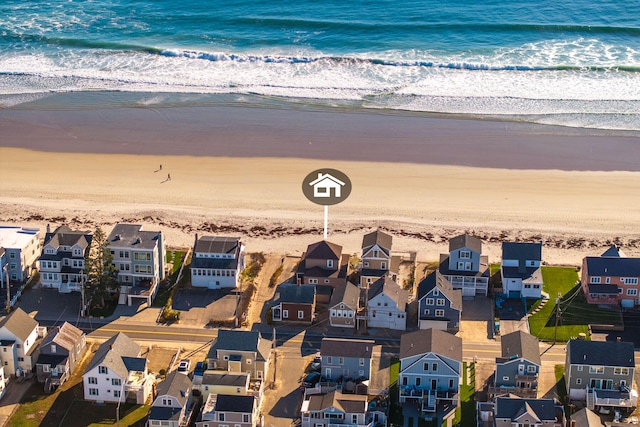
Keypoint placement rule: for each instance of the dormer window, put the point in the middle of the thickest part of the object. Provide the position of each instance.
(465, 254)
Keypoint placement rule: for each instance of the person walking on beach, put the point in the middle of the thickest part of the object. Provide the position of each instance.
(168, 177)
(160, 168)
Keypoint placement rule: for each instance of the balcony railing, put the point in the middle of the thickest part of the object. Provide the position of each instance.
(527, 393)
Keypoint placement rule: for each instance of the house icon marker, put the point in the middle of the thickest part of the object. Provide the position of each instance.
(324, 184)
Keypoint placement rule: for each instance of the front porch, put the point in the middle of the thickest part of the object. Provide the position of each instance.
(624, 398)
(429, 400)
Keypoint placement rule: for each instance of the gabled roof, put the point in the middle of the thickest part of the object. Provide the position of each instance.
(431, 341)
(436, 279)
(19, 324)
(520, 344)
(391, 289)
(513, 408)
(614, 251)
(235, 403)
(239, 340)
(348, 294)
(522, 251)
(611, 266)
(380, 238)
(323, 250)
(601, 353)
(217, 377)
(112, 353)
(66, 336)
(298, 294)
(344, 347)
(164, 413)
(177, 385)
(585, 417)
(217, 244)
(65, 236)
(347, 403)
(132, 236)
(465, 241)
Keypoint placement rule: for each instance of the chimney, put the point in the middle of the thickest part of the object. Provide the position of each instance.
(48, 229)
(110, 346)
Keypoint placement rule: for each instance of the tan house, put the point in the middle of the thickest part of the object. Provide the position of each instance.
(377, 261)
(344, 306)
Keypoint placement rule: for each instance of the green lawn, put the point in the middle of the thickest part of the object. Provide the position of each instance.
(466, 414)
(82, 413)
(576, 314)
(395, 410)
(177, 258)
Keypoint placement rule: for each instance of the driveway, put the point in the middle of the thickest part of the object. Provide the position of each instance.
(513, 316)
(198, 307)
(476, 324)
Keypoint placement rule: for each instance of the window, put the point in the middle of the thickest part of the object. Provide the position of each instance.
(465, 254)
(450, 383)
(53, 348)
(329, 263)
(116, 381)
(341, 360)
(245, 418)
(430, 301)
(632, 291)
(116, 393)
(329, 359)
(434, 366)
(418, 381)
(607, 280)
(426, 311)
(580, 368)
(440, 301)
(405, 381)
(596, 369)
(92, 380)
(439, 313)
(361, 362)
(103, 370)
(595, 279)
(285, 314)
(93, 392)
(425, 366)
(531, 368)
(46, 368)
(578, 381)
(630, 280)
(248, 361)
(621, 371)
(300, 314)
(313, 281)
(221, 416)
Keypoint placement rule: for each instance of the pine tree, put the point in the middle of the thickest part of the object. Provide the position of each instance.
(102, 275)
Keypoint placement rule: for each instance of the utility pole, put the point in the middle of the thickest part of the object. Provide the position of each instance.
(558, 315)
(82, 307)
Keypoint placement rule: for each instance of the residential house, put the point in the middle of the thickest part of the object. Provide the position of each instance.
(601, 372)
(4, 275)
(520, 269)
(117, 373)
(346, 358)
(22, 248)
(221, 410)
(139, 257)
(223, 382)
(335, 409)
(294, 303)
(439, 305)
(63, 256)
(172, 406)
(217, 262)
(465, 267)
(240, 351)
(323, 264)
(611, 280)
(377, 262)
(60, 352)
(514, 411)
(518, 367)
(585, 417)
(3, 382)
(344, 306)
(430, 371)
(19, 348)
(387, 305)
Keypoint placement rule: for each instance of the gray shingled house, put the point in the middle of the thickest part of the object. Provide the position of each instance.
(519, 365)
(513, 411)
(465, 267)
(171, 408)
(344, 306)
(346, 358)
(60, 352)
(377, 261)
(240, 351)
(439, 305)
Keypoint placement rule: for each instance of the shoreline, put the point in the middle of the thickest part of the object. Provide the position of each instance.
(151, 123)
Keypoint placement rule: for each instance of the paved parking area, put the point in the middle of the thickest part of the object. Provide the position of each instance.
(50, 305)
(199, 307)
(476, 324)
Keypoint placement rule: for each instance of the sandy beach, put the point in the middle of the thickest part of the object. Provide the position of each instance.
(238, 171)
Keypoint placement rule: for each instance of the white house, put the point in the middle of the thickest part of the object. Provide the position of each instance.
(62, 260)
(117, 373)
(217, 262)
(387, 305)
(520, 269)
(324, 184)
(18, 348)
(22, 248)
(170, 408)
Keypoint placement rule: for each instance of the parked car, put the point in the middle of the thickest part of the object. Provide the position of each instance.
(198, 371)
(317, 362)
(183, 366)
(311, 379)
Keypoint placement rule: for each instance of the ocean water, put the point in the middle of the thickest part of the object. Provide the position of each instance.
(565, 62)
